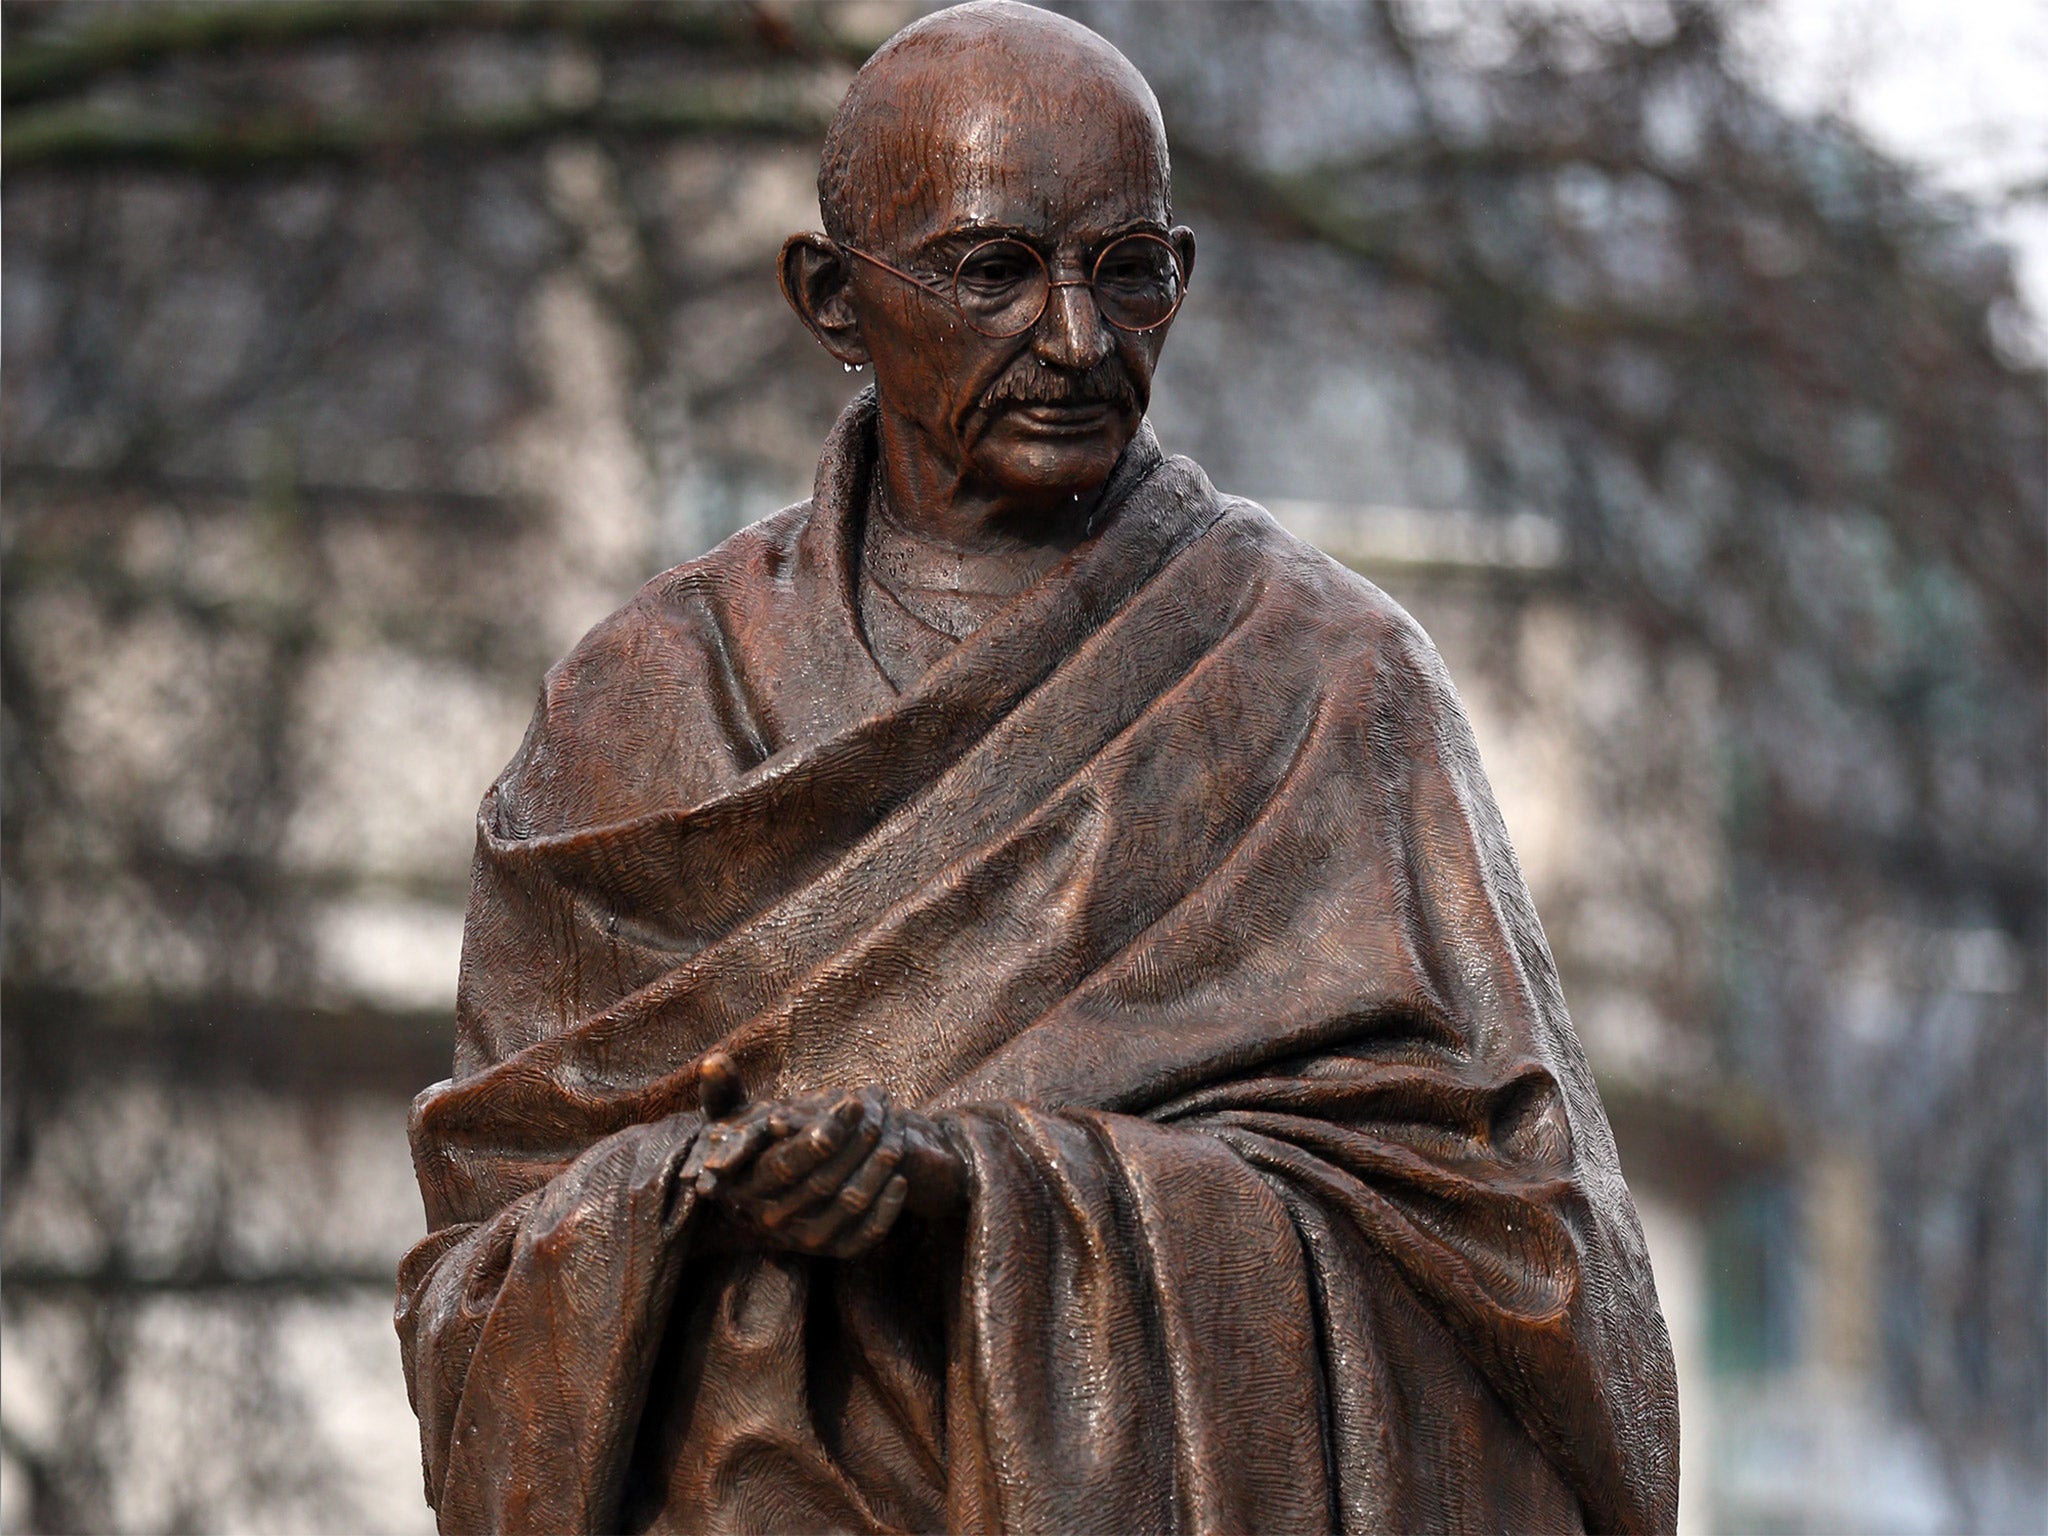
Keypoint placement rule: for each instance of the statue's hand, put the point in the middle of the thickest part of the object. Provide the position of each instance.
(829, 1173)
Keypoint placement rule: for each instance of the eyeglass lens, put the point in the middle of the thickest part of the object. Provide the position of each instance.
(1002, 286)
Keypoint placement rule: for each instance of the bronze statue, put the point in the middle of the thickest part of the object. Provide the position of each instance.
(999, 998)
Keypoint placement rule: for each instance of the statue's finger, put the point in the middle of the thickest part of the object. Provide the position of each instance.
(861, 1188)
(719, 1089)
(721, 1134)
(851, 1108)
(711, 1138)
(814, 1128)
(825, 1181)
(727, 1150)
(875, 1225)
(794, 1114)
(817, 1189)
(866, 1112)
(838, 1210)
(795, 1156)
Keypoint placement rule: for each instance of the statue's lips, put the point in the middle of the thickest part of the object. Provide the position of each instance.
(1076, 417)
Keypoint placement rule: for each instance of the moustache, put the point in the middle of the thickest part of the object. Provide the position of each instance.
(1037, 384)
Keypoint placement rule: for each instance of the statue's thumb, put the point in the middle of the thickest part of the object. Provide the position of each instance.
(719, 1089)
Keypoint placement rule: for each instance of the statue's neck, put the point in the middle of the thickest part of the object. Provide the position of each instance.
(942, 503)
(900, 557)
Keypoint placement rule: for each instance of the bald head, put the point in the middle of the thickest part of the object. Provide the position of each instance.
(1000, 245)
(962, 100)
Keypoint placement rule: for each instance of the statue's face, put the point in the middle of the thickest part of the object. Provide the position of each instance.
(1043, 414)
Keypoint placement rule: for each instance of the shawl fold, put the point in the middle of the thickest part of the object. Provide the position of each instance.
(1178, 889)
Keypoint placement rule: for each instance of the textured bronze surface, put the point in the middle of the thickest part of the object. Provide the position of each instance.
(1053, 1038)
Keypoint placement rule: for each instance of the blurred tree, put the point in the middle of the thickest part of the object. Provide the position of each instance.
(1760, 375)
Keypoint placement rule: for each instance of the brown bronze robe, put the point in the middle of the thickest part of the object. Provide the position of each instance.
(1178, 887)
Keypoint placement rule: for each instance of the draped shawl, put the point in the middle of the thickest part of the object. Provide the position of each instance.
(1178, 891)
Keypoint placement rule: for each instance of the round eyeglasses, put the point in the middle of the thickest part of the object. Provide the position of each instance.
(1002, 287)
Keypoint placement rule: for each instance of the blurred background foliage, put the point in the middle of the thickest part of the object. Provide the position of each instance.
(358, 356)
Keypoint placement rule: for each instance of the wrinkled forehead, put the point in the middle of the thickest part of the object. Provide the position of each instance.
(1062, 156)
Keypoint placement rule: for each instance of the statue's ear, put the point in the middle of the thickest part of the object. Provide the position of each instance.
(814, 279)
(1183, 240)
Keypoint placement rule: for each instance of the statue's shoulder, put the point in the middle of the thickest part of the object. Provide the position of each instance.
(676, 615)
(1332, 607)
(1342, 637)
(753, 560)
(642, 709)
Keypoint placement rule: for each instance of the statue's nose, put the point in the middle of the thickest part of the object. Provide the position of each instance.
(1072, 333)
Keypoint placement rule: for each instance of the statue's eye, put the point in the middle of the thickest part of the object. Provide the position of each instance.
(1137, 282)
(993, 268)
(1135, 268)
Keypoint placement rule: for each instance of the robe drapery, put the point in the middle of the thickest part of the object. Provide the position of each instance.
(1176, 889)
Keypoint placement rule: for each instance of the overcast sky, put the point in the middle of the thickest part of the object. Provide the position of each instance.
(1959, 87)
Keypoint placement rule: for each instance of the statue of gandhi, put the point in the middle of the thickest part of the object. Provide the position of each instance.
(999, 998)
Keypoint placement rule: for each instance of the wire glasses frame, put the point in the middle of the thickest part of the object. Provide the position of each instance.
(1002, 287)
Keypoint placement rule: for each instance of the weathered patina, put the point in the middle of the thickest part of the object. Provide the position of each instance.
(999, 998)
